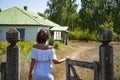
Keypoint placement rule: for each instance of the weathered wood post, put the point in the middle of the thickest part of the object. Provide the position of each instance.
(106, 55)
(67, 71)
(12, 65)
(65, 41)
(3, 71)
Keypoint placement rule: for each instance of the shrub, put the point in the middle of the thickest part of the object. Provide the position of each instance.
(3, 46)
(75, 35)
(51, 41)
(93, 36)
(58, 45)
(82, 35)
(25, 46)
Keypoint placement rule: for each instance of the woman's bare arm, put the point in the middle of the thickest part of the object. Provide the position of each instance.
(59, 61)
(31, 68)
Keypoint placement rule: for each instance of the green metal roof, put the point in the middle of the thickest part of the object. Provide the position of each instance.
(64, 28)
(23, 17)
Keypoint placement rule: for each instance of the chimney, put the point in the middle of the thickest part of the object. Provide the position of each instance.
(25, 7)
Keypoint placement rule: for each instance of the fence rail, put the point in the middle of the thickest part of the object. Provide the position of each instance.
(84, 64)
(89, 65)
(103, 70)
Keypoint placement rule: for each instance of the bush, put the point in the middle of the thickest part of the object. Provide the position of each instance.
(93, 36)
(76, 35)
(51, 41)
(82, 35)
(25, 46)
(3, 46)
(116, 37)
(58, 45)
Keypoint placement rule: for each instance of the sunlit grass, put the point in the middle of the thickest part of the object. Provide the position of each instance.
(60, 71)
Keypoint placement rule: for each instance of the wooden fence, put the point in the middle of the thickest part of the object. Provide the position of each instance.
(10, 69)
(3, 71)
(103, 70)
(89, 65)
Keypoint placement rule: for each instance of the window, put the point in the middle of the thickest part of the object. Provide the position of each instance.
(22, 33)
(57, 35)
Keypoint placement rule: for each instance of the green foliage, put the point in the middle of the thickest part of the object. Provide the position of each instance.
(3, 46)
(51, 41)
(107, 25)
(116, 37)
(83, 35)
(58, 45)
(63, 12)
(42, 15)
(25, 48)
(95, 14)
(75, 35)
(110, 25)
(93, 36)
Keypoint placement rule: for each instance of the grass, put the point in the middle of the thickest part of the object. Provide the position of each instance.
(116, 60)
(89, 52)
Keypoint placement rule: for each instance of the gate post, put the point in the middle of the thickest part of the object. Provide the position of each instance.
(3, 71)
(106, 55)
(67, 71)
(12, 65)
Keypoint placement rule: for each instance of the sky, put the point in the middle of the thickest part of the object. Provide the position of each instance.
(33, 5)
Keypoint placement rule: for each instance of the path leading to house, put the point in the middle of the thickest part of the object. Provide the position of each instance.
(80, 51)
(83, 51)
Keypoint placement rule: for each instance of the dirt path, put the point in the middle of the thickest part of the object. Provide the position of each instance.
(80, 51)
(85, 50)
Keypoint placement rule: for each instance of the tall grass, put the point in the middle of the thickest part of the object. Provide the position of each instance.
(60, 71)
(25, 49)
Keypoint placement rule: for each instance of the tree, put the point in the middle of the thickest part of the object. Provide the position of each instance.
(116, 16)
(86, 15)
(42, 15)
(63, 12)
(96, 13)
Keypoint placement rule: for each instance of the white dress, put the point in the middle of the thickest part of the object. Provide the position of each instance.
(43, 69)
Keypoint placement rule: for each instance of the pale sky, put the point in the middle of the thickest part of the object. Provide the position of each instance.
(33, 5)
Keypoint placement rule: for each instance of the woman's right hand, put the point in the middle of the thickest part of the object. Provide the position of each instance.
(67, 57)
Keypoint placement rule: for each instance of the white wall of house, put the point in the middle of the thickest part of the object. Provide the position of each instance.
(3, 34)
(30, 32)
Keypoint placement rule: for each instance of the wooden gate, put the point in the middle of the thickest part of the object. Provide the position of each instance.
(70, 66)
(103, 70)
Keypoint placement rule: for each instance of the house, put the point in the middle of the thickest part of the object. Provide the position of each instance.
(57, 34)
(27, 23)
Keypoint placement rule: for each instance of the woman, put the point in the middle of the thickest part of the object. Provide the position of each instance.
(41, 56)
